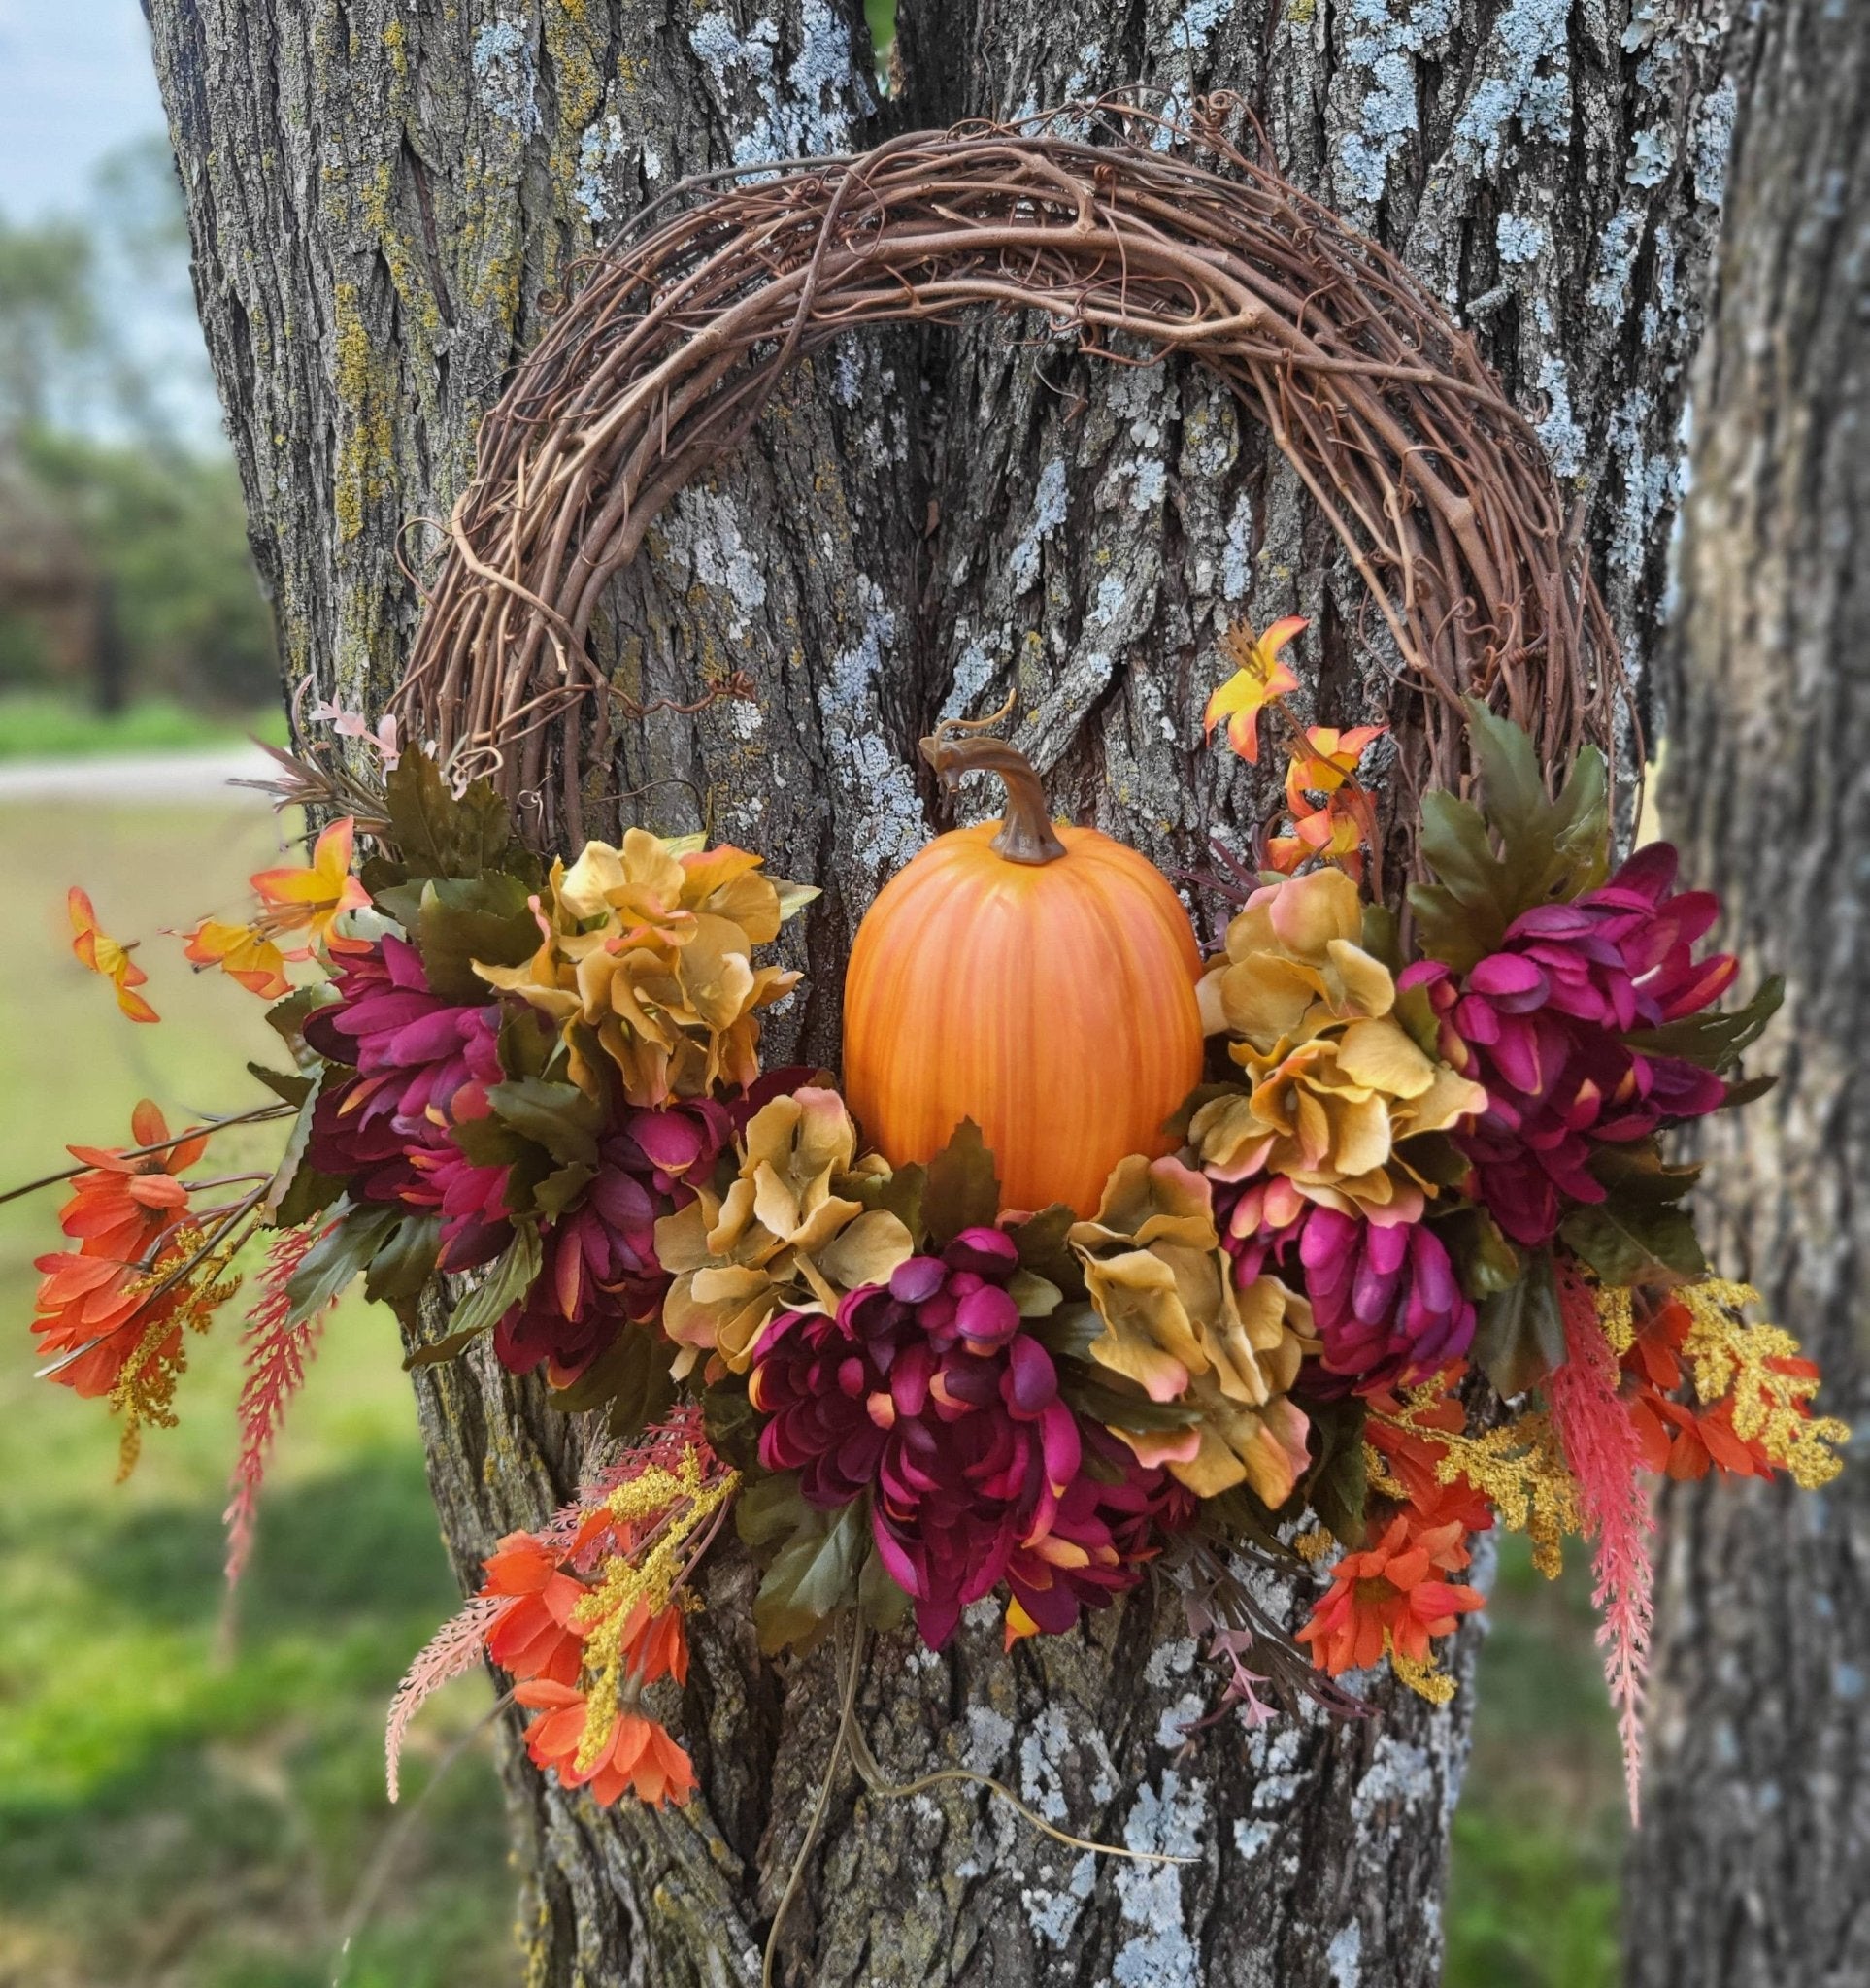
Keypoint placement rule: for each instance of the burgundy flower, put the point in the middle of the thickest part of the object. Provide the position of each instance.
(599, 1271)
(421, 1063)
(929, 1393)
(1542, 1024)
(1386, 1300)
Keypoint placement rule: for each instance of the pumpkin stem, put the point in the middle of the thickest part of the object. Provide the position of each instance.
(1026, 836)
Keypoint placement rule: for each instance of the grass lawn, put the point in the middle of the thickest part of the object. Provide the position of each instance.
(188, 1797)
(45, 725)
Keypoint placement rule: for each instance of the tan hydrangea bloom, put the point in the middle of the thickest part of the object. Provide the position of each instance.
(647, 954)
(1175, 1325)
(783, 1238)
(1335, 1084)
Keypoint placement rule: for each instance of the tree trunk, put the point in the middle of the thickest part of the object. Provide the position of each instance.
(1750, 1870)
(379, 196)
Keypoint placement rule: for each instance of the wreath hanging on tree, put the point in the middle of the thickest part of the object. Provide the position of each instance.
(1101, 1262)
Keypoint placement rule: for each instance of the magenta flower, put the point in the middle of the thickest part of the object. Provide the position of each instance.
(929, 1393)
(1542, 1024)
(421, 1063)
(1386, 1300)
(599, 1272)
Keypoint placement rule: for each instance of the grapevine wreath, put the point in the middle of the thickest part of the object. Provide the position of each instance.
(1331, 1250)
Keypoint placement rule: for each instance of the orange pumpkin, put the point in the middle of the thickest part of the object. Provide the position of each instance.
(1039, 981)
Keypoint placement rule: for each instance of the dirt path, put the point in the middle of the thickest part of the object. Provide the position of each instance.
(138, 777)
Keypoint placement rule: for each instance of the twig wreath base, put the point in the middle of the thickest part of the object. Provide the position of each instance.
(1161, 239)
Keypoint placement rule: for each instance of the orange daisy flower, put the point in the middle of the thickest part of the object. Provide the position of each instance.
(1385, 1598)
(128, 1199)
(637, 1754)
(534, 1635)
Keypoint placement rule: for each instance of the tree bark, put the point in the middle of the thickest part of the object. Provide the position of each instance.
(380, 194)
(1749, 1869)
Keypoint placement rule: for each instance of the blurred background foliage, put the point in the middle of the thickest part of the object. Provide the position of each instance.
(124, 573)
(191, 1790)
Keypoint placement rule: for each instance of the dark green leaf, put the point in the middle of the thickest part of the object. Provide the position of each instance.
(293, 1162)
(732, 1423)
(1436, 1158)
(557, 1116)
(1520, 1335)
(334, 1260)
(1381, 938)
(962, 1190)
(1715, 1042)
(437, 835)
(814, 1574)
(900, 1194)
(1334, 1486)
(286, 1019)
(292, 1086)
(1636, 1174)
(557, 1192)
(1108, 1398)
(507, 1279)
(1630, 1242)
(464, 919)
(1042, 1250)
(526, 1046)
(1746, 1092)
(1486, 1262)
(1069, 1331)
(1510, 782)
(770, 1507)
(405, 1260)
(629, 1381)
(1238, 1516)
(439, 1351)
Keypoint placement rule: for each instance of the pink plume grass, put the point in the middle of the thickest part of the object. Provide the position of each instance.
(451, 1652)
(456, 1646)
(1605, 1456)
(277, 1353)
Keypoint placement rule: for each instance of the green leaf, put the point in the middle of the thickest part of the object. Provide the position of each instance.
(900, 1194)
(770, 1507)
(882, 1604)
(1515, 850)
(1238, 1516)
(507, 1279)
(733, 1424)
(814, 1574)
(1630, 1242)
(1715, 1042)
(335, 1259)
(1335, 1486)
(964, 1190)
(1486, 1261)
(629, 1381)
(1521, 1334)
(526, 1048)
(439, 1351)
(1069, 1332)
(405, 1260)
(1108, 1398)
(272, 1210)
(293, 1087)
(463, 920)
(286, 1019)
(1636, 1174)
(557, 1192)
(557, 1116)
(437, 835)
(1381, 938)
(1042, 1250)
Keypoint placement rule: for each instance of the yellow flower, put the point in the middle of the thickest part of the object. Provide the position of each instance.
(310, 899)
(1336, 1084)
(1176, 1326)
(783, 1238)
(1260, 677)
(647, 955)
